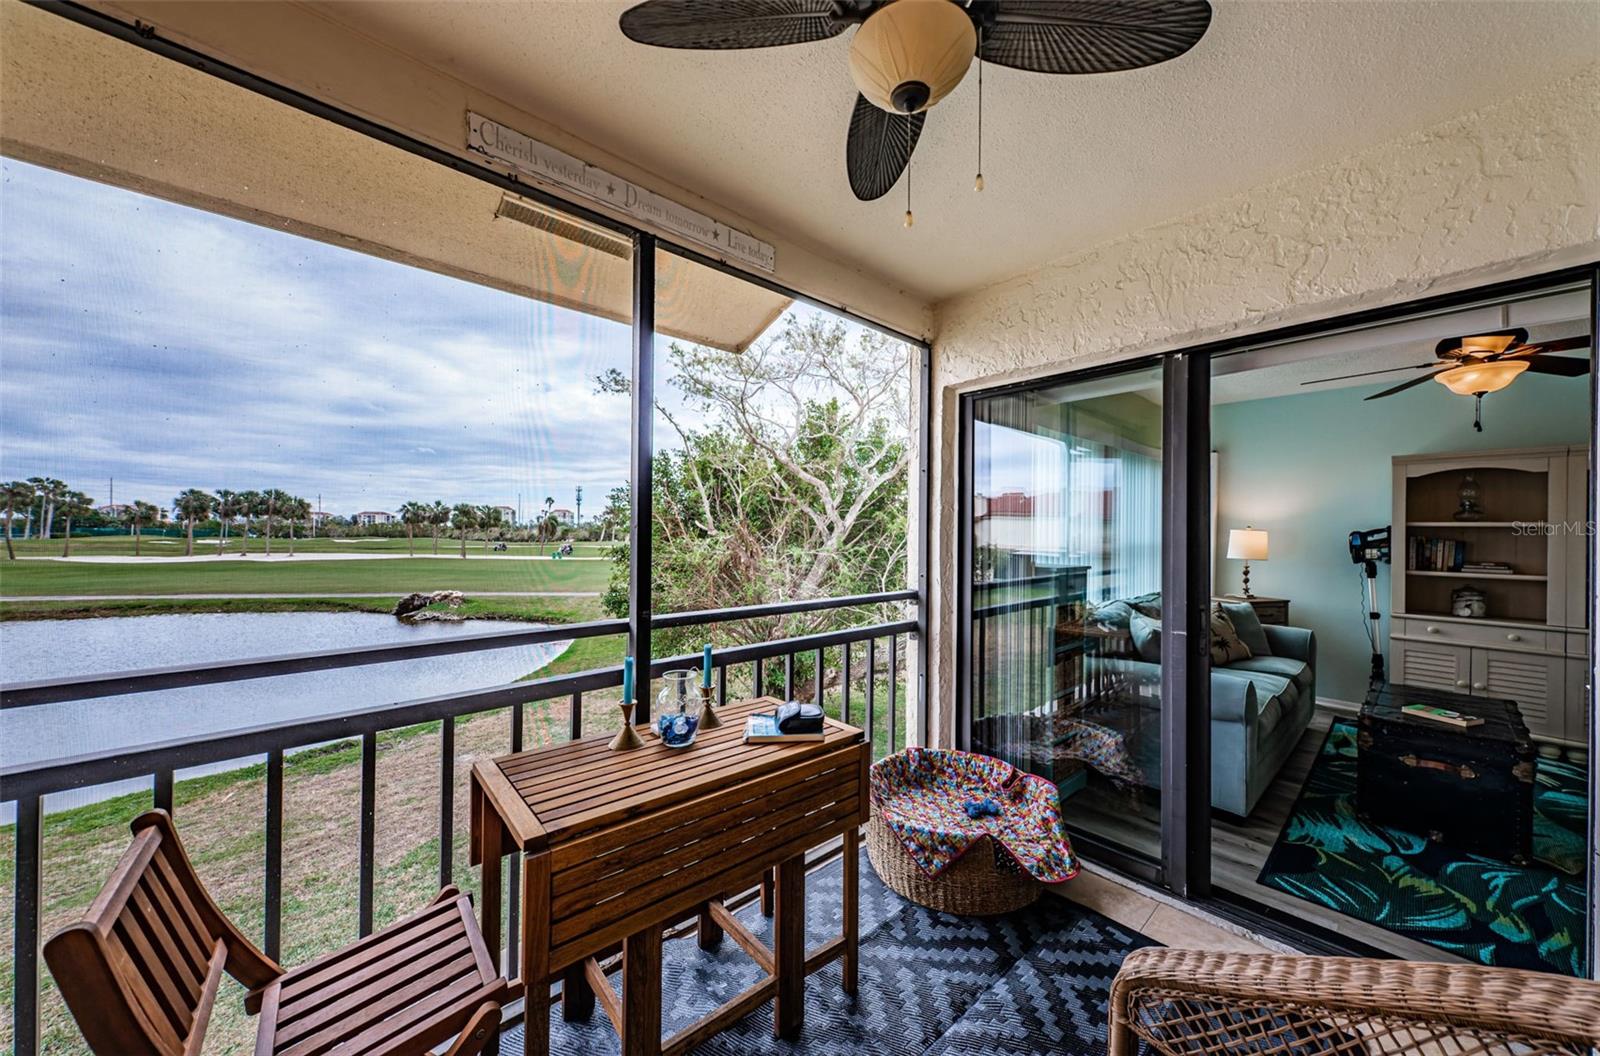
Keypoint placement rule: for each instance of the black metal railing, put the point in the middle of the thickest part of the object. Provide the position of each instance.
(27, 784)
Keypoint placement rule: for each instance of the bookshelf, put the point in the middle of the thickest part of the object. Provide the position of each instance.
(1530, 644)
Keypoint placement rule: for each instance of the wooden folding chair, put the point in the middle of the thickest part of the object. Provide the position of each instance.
(140, 971)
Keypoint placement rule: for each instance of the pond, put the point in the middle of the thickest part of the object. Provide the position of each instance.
(62, 648)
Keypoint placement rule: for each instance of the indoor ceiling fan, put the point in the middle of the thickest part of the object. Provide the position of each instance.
(1479, 364)
(909, 54)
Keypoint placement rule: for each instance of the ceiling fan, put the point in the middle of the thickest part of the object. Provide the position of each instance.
(909, 54)
(1479, 364)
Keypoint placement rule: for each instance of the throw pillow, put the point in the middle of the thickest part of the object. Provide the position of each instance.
(1248, 624)
(1146, 634)
(1225, 644)
(1149, 604)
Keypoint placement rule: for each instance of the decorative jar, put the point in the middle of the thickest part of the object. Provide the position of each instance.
(678, 709)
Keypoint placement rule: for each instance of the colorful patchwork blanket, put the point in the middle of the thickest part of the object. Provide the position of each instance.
(922, 795)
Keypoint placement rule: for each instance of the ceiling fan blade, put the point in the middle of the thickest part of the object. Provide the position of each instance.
(879, 147)
(1091, 36)
(1404, 385)
(718, 25)
(1369, 373)
(1562, 366)
(1565, 344)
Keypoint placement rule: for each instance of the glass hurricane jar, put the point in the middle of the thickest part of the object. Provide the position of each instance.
(678, 709)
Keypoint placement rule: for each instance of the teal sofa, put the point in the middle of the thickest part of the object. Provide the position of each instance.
(1259, 706)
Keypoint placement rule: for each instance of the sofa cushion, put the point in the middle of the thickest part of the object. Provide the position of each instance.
(1225, 644)
(1146, 634)
(1296, 671)
(1149, 604)
(1248, 624)
(1270, 690)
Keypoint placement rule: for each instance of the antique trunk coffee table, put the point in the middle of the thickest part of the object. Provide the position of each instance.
(619, 846)
(1467, 788)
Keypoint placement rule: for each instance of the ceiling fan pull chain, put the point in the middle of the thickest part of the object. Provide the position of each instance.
(908, 177)
(977, 184)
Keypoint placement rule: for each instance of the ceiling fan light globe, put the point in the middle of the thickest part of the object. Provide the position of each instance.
(1477, 379)
(912, 53)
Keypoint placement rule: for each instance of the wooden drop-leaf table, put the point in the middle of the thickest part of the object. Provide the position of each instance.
(619, 846)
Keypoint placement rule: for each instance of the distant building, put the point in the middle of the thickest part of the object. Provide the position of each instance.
(367, 518)
(564, 516)
(508, 514)
(320, 517)
(113, 509)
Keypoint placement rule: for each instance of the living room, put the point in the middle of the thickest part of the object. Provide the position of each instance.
(1427, 530)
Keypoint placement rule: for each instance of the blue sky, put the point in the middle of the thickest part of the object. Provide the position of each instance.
(171, 348)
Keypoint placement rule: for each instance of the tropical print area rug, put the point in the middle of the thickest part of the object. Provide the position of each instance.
(1478, 908)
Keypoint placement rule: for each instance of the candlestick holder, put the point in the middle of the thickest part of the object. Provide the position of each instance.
(627, 738)
(708, 713)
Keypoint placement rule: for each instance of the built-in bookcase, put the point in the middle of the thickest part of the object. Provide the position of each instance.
(1530, 645)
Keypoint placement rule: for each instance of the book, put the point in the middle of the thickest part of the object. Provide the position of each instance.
(1444, 715)
(762, 728)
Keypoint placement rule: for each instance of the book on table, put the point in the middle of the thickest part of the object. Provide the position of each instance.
(792, 723)
(1444, 715)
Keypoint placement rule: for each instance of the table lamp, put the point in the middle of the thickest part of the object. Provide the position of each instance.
(1248, 544)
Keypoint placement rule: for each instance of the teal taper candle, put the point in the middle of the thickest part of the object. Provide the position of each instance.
(705, 673)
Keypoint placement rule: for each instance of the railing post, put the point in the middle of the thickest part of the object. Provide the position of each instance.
(844, 698)
(872, 690)
(368, 832)
(758, 688)
(574, 717)
(818, 676)
(447, 800)
(272, 882)
(162, 791)
(788, 675)
(894, 678)
(25, 926)
(641, 477)
(722, 685)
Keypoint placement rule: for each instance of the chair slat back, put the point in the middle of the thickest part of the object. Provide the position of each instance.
(140, 970)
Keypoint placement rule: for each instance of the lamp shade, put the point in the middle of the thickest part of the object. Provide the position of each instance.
(910, 53)
(1247, 543)
(1475, 378)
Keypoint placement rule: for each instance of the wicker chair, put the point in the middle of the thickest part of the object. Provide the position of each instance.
(1199, 1003)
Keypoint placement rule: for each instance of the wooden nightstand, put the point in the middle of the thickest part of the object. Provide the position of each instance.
(1268, 610)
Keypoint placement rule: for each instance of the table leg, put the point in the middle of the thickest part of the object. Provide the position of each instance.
(577, 996)
(487, 834)
(850, 910)
(535, 955)
(641, 993)
(789, 947)
(710, 932)
(766, 893)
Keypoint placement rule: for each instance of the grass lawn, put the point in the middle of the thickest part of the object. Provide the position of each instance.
(121, 545)
(233, 576)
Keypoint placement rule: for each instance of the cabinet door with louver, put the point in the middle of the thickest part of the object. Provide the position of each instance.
(1431, 664)
(1537, 683)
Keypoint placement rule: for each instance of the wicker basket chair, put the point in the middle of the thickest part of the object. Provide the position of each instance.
(974, 885)
(1200, 1003)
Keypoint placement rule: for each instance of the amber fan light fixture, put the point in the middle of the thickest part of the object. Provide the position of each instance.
(1480, 379)
(912, 53)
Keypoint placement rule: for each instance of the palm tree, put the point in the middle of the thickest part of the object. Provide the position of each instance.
(438, 517)
(548, 503)
(192, 505)
(273, 501)
(72, 504)
(294, 509)
(50, 492)
(413, 514)
(465, 519)
(227, 510)
(140, 515)
(249, 505)
(489, 520)
(16, 494)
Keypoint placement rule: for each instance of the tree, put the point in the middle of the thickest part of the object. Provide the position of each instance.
(490, 518)
(139, 516)
(227, 510)
(792, 485)
(465, 518)
(48, 491)
(294, 510)
(192, 505)
(72, 505)
(438, 517)
(17, 494)
(413, 514)
(249, 505)
(272, 505)
(548, 503)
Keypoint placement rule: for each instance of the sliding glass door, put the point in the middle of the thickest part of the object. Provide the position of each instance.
(1064, 663)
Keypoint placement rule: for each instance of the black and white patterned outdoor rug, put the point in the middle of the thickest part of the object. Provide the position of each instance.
(1029, 983)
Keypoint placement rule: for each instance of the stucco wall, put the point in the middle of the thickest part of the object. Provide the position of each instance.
(1512, 189)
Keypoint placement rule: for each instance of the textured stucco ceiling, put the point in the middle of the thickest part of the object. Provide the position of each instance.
(1276, 87)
